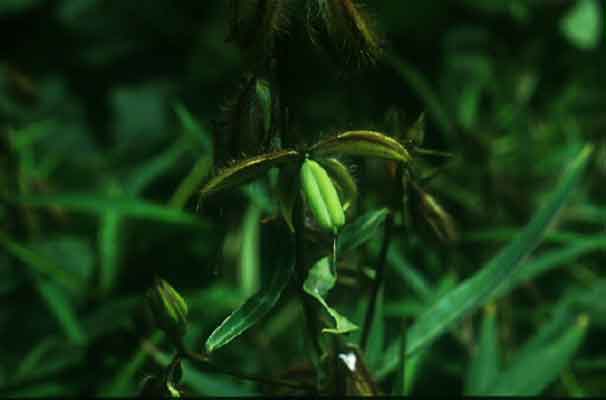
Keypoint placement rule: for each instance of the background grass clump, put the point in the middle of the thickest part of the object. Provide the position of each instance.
(114, 114)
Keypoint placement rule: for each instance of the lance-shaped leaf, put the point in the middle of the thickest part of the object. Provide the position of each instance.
(320, 280)
(484, 365)
(246, 170)
(477, 290)
(545, 362)
(251, 311)
(343, 180)
(362, 143)
(360, 231)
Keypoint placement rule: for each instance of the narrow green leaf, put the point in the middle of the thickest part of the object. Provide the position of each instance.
(201, 139)
(484, 367)
(360, 231)
(550, 260)
(318, 283)
(41, 264)
(413, 278)
(143, 175)
(191, 182)
(123, 382)
(33, 358)
(477, 290)
(98, 204)
(109, 249)
(193, 130)
(531, 374)
(399, 387)
(376, 337)
(60, 305)
(250, 312)
(249, 252)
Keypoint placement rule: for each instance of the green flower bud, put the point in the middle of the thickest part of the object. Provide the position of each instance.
(321, 196)
(169, 309)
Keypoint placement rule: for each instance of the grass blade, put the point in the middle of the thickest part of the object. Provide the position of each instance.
(249, 252)
(484, 367)
(40, 264)
(361, 230)
(131, 207)
(546, 363)
(109, 248)
(476, 291)
(63, 311)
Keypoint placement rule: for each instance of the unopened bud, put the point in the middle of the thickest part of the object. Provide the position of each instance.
(169, 309)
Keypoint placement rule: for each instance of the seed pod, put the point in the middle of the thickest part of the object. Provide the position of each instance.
(246, 170)
(168, 308)
(362, 143)
(343, 180)
(432, 213)
(321, 196)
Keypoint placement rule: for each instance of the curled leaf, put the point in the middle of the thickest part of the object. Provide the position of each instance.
(362, 143)
(320, 280)
(246, 170)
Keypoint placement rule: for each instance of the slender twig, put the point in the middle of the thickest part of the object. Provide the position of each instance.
(378, 281)
(204, 363)
(300, 274)
(398, 200)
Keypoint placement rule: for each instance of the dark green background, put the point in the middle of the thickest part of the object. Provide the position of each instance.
(88, 91)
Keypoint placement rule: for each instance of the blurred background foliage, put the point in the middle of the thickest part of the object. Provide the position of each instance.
(111, 117)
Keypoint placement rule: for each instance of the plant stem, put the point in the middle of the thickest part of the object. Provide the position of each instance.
(377, 282)
(205, 364)
(300, 274)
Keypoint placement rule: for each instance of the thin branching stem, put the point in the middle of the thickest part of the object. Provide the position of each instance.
(205, 364)
(377, 282)
(300, 274)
